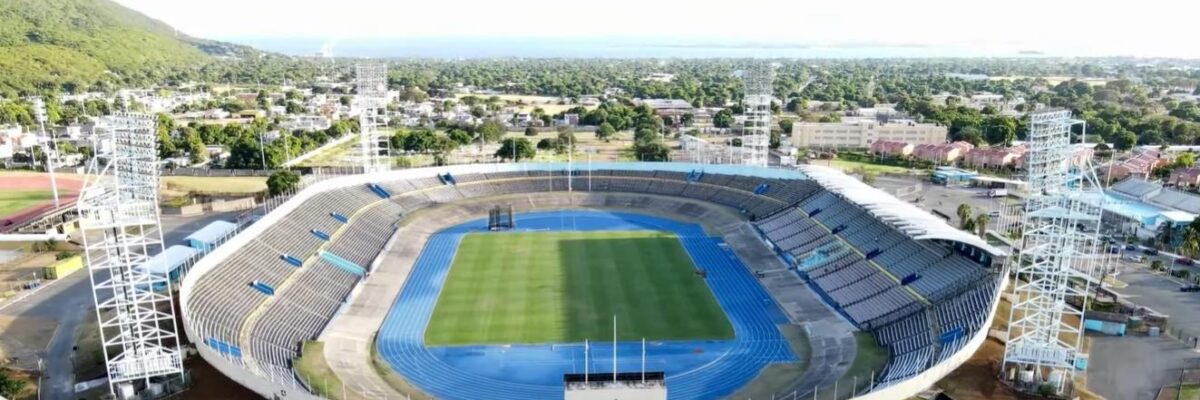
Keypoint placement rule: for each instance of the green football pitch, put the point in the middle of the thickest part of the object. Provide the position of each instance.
(555, 287)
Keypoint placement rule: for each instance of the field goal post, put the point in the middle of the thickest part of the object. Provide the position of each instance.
(501, 219)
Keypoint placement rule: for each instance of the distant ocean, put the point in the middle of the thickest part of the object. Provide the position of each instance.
(607, 48)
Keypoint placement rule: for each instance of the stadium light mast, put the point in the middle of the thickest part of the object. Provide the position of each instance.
(119, 221)
(371, 100)
(758, 79)
(39, 112)
(1060, 249)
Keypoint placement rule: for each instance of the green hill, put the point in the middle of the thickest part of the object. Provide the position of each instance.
(76, 45)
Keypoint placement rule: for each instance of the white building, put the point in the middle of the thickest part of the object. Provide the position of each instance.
(306, 123)
(859, 134)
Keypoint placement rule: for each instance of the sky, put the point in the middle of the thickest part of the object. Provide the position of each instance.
(1145, 28)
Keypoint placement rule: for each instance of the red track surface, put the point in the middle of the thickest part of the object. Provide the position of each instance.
(68, 190)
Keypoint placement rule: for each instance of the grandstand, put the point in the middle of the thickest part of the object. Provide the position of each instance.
(923, 289)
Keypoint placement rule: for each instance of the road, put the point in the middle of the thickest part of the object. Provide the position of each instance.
(1155, 361)
(67, 301)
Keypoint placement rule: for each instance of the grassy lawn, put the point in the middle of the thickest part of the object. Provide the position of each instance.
(868, 357)
(1189, 392)
(312, 367)
(12, 201)
(778, 377)
(553, 287)
(211, 184)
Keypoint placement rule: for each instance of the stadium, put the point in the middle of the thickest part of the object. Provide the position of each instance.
(496, 280)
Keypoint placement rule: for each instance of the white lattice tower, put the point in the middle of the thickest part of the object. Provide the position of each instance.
(1060, 250)
(758, 80)
(371, 103)
(119, 220)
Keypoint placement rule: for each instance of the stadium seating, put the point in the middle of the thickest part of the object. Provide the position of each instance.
(878, 277)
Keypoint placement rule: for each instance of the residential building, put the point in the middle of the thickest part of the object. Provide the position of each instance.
(944, 153)
(894, 149)
(859, 134)
(996, 157)
(1141, 165)
(1185, 177)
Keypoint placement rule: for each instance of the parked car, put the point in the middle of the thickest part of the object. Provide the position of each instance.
(1135, 258)
(1150, 252)
(1130, 247)
(1187, 261)
(1114, 249)
(1190, 288)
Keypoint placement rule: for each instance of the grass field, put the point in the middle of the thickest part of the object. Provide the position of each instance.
(216, 184)
(12, 201)
(553, 287)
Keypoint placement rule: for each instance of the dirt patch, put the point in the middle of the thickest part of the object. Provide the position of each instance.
(23, 339)
(208, 383)
(978, 378)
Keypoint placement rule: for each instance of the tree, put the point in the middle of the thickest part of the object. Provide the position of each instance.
(652, 151)
(723, 118)
(531, 131)
(1190, 245)
(605, 131)
(1185, 160)
(197, 153)
(459, 136)
(964, 215)
(516, 149)
(981, 222)
(547, 144)
(1000, 130)
(163, 125)
(282, 181)
(345, 100)
(1124, 141)
(970, 135)
(785, 125)
(245, 154)
(490, 131)
(566, 141)
(10, 387)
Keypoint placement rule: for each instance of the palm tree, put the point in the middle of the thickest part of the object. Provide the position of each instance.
(981, 222)
(1166, 232)
(964, 215)
(1190, 245)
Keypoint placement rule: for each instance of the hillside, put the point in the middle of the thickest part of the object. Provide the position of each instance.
(52, 45)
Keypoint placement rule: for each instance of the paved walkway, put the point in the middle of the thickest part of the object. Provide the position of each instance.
(830, 336)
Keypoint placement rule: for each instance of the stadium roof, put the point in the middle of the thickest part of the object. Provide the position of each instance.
(169, 260)
(910, 219)
(213, 232)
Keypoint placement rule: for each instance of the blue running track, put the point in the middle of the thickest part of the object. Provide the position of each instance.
(694, 369)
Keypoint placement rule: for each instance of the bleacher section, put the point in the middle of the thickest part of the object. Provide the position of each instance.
(285, 285)
(883, 280)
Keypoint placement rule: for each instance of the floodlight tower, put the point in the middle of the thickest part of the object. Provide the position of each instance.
(119, 220)
(371, 85)
(1060, 249)
(759, 81)
(39, 112)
